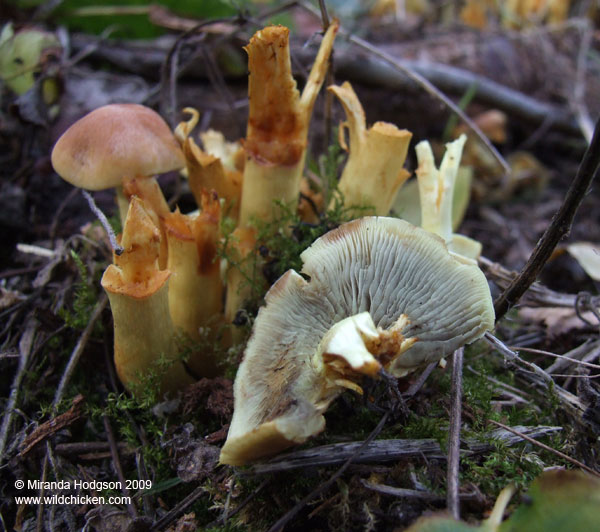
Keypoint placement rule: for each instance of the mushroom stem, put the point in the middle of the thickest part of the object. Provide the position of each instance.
(243, 241)
(436, 187)
(138, 293)
(374, 171)
(195, 286)
(278, 122)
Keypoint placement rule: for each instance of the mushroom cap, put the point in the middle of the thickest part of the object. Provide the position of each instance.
(383, 266)
(115, 141)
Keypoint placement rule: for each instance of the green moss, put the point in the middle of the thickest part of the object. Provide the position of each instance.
(84, 300)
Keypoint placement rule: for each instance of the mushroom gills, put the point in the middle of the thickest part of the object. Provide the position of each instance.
(382, 292)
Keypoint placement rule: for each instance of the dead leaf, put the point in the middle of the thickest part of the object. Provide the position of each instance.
(558, 320)
(588, 257)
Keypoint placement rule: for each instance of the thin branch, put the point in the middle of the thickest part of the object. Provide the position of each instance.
(292, 513)
(77, 352)
(178, 509)
(549, 354)
(547, 448)
(452, 500)
(104, 221)
(386, 451)
(558, 228)
(114, 453)
(25, 349)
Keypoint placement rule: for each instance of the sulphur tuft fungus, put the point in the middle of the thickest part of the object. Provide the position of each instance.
(374, 170)
(436, 192)
(382, 293)
(214, 168)
(278, 121)
(114, 142)
(144, 336)
(195, 286)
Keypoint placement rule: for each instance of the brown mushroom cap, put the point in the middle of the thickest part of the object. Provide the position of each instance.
(115, 141)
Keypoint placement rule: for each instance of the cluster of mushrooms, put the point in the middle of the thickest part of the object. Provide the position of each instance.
(377, 293)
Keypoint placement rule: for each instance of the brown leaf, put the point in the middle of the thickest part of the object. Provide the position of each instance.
(558, 320)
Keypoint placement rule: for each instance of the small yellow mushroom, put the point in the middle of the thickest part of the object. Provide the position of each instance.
(374, 170)
(278, 121)
(137, 289)
(195, 286)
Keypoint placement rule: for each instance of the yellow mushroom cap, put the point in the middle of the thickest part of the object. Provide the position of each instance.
(381, 291)
(115, 141)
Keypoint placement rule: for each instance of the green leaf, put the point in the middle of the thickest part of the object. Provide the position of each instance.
(20, 56)
(560, 501)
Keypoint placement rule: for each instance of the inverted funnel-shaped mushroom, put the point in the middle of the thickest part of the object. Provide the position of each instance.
(138, 295)
(278, 122)
(374, 171)
(421, 304)
(113, 142)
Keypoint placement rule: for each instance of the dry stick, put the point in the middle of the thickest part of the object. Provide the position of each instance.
(558, 228)
(549, 354)
(291, 514)
(103, 220)
(452, 500)
(25, 348)
(547, 448)
(77, 352)
(40, 510)
(114, 452)
(177, 509)
(425, 84)
(329, 81)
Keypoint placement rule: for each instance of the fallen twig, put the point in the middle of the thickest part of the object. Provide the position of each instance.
(382, 451)
(77, 352)
(52, 426)
(558, 228)
(404, 493)
(353, 456)
(25, 348)
(452, 500)
(114, 452)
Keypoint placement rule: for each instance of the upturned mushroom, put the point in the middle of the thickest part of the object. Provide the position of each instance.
(382, 293)
(144, 336)
(374, 170)
(114, 142)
